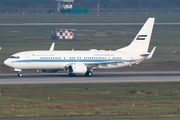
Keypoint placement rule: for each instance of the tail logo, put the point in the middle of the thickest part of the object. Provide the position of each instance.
(141, 37)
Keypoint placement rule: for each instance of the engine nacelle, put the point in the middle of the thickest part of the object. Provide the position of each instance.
(77, 68)
(49, 71)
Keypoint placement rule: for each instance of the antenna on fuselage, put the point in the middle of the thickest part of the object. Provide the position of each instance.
(52, 47)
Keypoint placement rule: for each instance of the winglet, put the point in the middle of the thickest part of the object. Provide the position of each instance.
(52, 47)
(151, 53)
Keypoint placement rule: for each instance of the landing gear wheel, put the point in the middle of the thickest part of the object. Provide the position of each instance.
(70, 74)
(88, 73)
(19, 75)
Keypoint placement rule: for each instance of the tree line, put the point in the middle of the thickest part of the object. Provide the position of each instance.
(93, 3)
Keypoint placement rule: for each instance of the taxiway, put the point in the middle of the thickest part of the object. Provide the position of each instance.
(104, 77)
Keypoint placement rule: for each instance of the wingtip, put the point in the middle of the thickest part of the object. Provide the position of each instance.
(52, 47)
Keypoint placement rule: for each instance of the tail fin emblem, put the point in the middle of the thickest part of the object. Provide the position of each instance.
(141, 37)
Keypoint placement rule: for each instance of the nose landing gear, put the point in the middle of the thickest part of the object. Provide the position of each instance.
(18, 70)
(19, 75)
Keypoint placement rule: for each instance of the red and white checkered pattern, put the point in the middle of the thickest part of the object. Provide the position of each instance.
(66, 34)
(67, 7)
(59, 7)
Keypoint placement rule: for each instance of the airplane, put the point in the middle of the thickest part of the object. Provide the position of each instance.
(84, 62)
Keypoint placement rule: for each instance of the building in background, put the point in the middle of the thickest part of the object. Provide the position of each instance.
(64, 33)
(66, 6)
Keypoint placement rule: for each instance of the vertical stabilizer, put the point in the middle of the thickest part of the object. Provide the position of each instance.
(142, 39)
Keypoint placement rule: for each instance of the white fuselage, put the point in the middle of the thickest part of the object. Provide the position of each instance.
(84, 62)
(60, 59)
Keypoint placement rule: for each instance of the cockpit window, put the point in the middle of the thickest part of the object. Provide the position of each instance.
(16, 57)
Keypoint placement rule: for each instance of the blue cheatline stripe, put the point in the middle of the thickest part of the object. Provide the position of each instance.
(68, 60)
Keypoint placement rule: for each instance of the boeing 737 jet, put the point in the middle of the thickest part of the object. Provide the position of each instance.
(84, 62)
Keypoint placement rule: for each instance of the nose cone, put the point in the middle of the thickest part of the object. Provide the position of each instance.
(7, 62)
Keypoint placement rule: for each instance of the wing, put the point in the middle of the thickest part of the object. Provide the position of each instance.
(106, 63)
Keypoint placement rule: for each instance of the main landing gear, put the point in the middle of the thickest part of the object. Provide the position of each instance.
(70, 74)
(88, 73)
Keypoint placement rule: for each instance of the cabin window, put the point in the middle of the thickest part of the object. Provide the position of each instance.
(16, 57)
